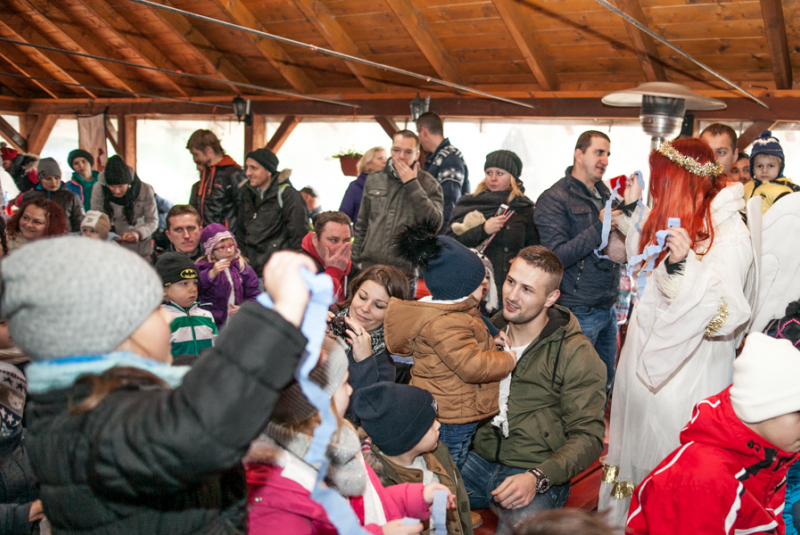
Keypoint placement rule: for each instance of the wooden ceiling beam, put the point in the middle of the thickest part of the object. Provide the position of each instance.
(44, 62)
(236, 12)
(10, 134)
(643, 44)
(15, 84)
(117, 34)
(388, 125)
(333, 33)
(420, 31)
(525, 37)
(775, 29)
(39, 132)
(753, 131)
(280, 136)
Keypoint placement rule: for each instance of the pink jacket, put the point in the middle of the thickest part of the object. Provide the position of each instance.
(279, 505)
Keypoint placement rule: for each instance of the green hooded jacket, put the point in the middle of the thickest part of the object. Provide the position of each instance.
(556, 404)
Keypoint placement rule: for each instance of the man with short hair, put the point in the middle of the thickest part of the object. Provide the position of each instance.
(722, 140)
(444, 162)
(216, 196)
(740, 170)
(550, 426)
(183, 231)
(329, 244)
(569, 218)
(83, 176)
(311, 198)
(398, 196)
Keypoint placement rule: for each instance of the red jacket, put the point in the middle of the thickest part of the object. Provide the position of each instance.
(337, 275)
(723, 479)
(280, 505)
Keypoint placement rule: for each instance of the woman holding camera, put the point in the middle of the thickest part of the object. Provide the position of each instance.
(360, 323)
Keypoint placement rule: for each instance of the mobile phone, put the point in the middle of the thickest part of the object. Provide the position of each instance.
(502, 210)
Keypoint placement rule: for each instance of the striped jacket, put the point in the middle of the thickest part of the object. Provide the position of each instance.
(192, 330)
(725, 478)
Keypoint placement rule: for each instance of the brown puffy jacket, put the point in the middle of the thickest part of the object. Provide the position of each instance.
(455, 357)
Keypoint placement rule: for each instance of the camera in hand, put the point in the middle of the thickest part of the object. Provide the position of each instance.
(339, 326)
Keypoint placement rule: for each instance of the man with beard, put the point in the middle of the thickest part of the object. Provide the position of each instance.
(550, 427)
(569, 218)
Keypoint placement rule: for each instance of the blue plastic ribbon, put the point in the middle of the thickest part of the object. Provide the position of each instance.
(651, 252)
(639, 203)
(439, 513)
(607, 223)
(336, 506)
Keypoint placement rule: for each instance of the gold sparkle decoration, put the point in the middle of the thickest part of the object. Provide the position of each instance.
(622, 490)
(689, 163)
(719, 320)
(610, 473)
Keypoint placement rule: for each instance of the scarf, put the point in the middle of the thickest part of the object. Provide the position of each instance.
(126, 201)
(48, 375)
(378, 341)
(391, 170)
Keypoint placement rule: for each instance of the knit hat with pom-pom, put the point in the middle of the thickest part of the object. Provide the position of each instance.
(766, 143)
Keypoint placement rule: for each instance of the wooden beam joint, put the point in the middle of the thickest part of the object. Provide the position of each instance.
(280, 136)
(10, 134)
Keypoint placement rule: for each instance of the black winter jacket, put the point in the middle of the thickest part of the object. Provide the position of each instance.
(446, 164)
(67, 200)
(20, 170)
(218, 200)
(264, 227)
(17, 488)
(569, 225)
(154, 461)
(518, 233)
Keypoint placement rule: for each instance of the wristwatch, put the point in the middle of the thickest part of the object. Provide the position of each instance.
(542, 481)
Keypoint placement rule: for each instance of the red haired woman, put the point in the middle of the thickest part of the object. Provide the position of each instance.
(35, 219)
(681, 337)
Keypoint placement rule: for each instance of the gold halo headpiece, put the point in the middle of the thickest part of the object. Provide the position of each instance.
(690, 164)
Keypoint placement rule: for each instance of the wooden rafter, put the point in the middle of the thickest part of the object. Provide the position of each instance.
(280, 136)
(118, 35)
(420, 31)
(17, 85)
(40, 130)
(10, 134)
(524, 36)
(643, 44)
(775, 29)
(236, 12)
(753, 131)
(71, 38)
(388, 125)
(333, 33)
(44, 62)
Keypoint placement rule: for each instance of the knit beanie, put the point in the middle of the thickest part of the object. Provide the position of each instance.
(117, 172)
(48, 167)
(765, 381)
(293, 407)
(266, 158)
(395, 416)
(492, 300)
(91, 298)
(788, 327)
(212, 235)
(7, 153)
(767, 144)
(13, 389)
(98, 221)
(80, 153)
(505, 160)
(175, 267)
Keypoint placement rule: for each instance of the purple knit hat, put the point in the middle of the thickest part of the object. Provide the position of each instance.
(212, 235)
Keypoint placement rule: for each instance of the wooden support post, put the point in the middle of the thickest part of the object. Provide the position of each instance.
(255, 135)
(126, 138)
(388, 125)
(37, 130)
(280, 136)
(752, 132)
(12, 136)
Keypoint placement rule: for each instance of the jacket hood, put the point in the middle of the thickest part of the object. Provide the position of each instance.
(410, 317)
(272, 189)
(226, 161)
(715, 423)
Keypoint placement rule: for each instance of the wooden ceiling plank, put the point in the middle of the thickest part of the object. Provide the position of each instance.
(10, 134)
(13, 83)
(119, 35)
(72, 39)
(280, 136)
(428, 43)
(753, 131)
(43, 61)
(528, 44)
(333, 33)
(237, 13)
(643, 44)
(388, 125)
(775, 29)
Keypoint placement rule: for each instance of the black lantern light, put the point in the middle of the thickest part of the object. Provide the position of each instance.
(419, 106)
(241, 110)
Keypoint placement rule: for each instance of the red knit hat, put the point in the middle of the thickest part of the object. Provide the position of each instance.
(7, 153)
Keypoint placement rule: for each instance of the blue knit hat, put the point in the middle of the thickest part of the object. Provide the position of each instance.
(767, 144)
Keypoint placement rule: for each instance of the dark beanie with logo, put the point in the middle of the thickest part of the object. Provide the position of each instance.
(265, 158)
(175, 267)
(395, 416)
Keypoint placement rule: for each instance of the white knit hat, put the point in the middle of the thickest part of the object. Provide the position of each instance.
(765, 381)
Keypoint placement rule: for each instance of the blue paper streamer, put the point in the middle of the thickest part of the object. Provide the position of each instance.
(651, 252)
(410, 521)
(639, 203)
(338, 509)
(439, 513)
(607, 223)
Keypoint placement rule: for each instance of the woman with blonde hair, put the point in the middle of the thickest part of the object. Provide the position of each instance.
(373, 160)
(477, 219)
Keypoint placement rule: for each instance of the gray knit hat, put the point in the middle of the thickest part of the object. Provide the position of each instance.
(91, 298)
(48, 167)
(293, 407)
(506, 160)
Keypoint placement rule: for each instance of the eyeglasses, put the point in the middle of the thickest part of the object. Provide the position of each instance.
(224, 247)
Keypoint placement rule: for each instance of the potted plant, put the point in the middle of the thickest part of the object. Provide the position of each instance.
(348, 159)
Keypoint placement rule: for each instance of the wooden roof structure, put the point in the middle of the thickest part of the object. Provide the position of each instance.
(561, 56)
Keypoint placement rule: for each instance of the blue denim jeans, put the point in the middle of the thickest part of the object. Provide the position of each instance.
(457, 438)
(481, 477)
(600, 326)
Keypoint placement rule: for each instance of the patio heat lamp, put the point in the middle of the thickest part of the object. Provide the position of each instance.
(663, 105)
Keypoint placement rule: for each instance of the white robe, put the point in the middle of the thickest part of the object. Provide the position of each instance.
(669, 362)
